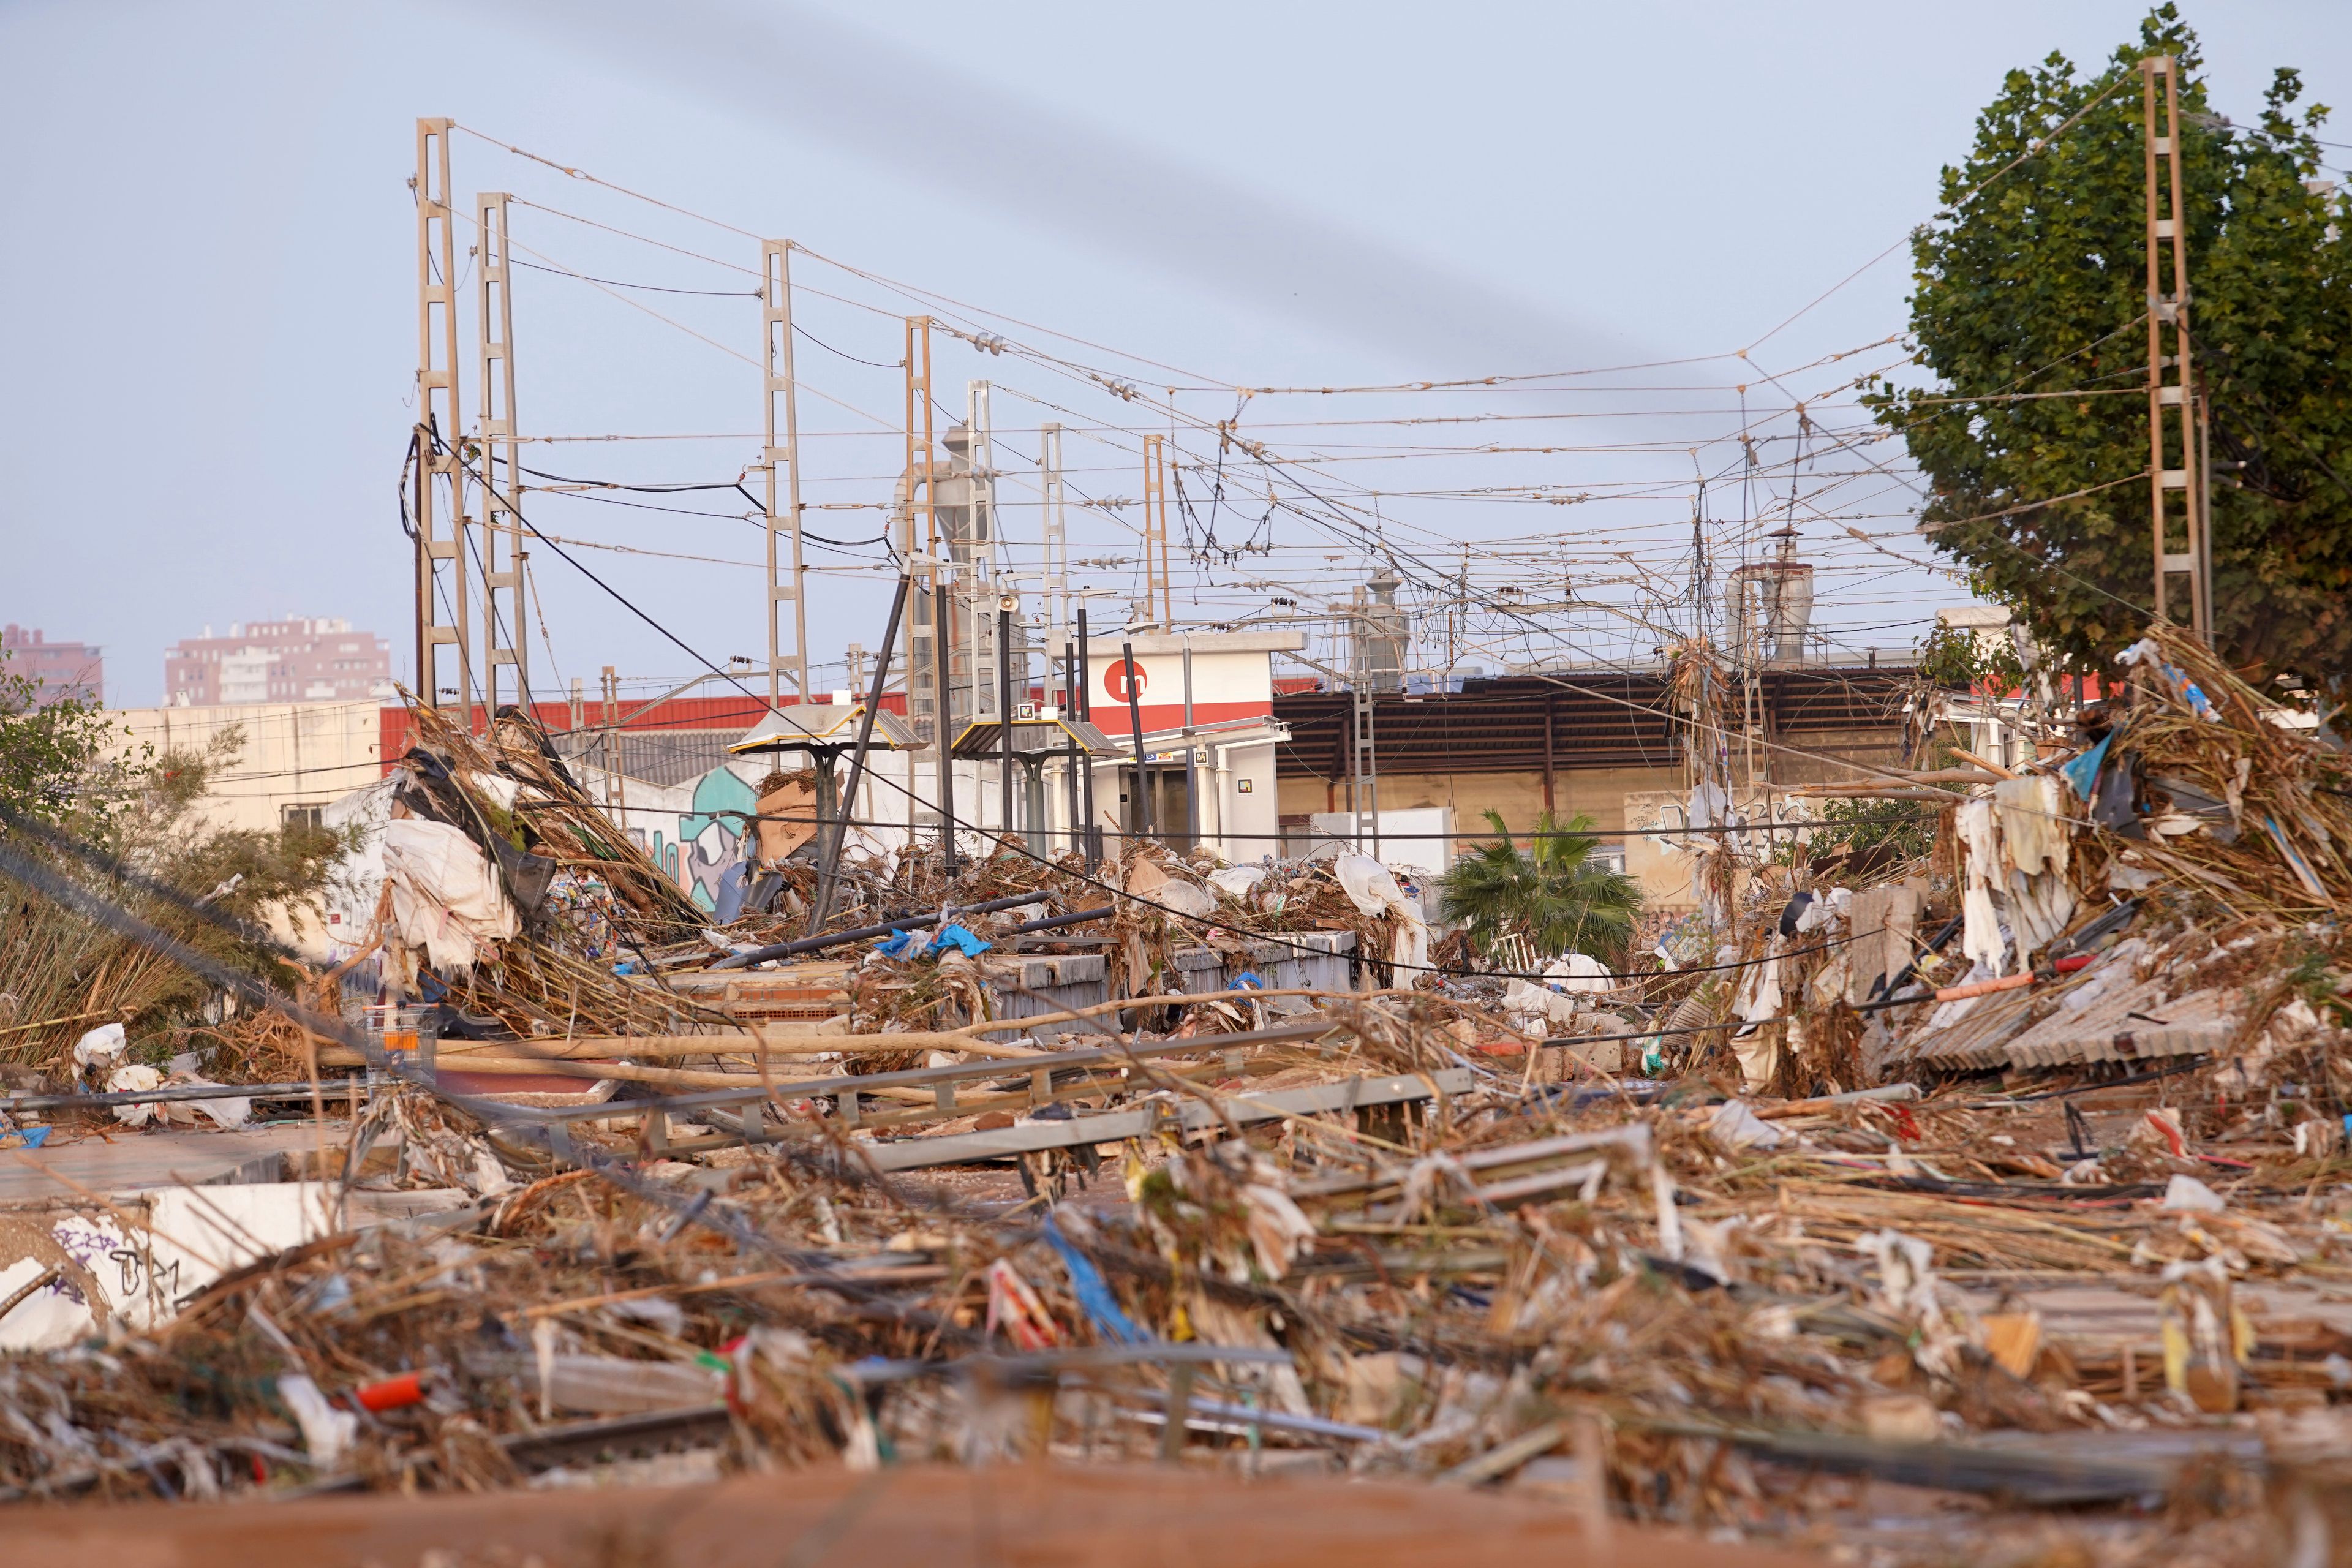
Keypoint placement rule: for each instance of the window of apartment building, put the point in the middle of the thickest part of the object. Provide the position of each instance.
(305, 816)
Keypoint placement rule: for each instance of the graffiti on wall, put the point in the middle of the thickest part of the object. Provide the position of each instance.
(712, 842)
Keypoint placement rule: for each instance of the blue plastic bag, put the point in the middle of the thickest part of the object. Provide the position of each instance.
(2082, 773)
(901, 945)
(960, 939)
(1086, 1283)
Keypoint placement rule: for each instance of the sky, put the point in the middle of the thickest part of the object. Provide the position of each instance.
(213, 264)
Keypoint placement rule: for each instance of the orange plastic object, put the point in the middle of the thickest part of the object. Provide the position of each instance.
(391, 1394)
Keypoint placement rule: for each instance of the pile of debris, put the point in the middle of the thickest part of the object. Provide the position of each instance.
(2016, 1176)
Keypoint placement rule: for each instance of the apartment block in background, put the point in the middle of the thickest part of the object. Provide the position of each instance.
(298, 659)
(60, 669)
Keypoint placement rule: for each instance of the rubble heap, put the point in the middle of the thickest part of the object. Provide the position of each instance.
(2012, 1178)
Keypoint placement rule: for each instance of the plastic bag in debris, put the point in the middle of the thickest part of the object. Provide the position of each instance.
(1372, 888)
(444, 895)
(129, 1078)
(100, 1047)
(1145, 880)
(729, 897)
(1980, 931)
(1236, 881)
(2082, 773)
(1815, 913)
(326, 1432)
(1095, 1298)
(962, 940)
(584, 1384)
(916, 943)
(1186, 899)
(134, 1076)
(2039, 909)
(1909, 1291)
(1277, 1229)
(1533, 1007)
(2189, 1195)
(1537, 1005)
(1578, 972)
(1709, 807)
(2188, 690)
(2033, 824)
(1734, 1125)
(1758, 1001)
(1366, 881)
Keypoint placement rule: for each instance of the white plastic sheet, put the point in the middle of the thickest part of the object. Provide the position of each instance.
(1580, 972)
(2033, 822)
(1981, 938)
(1372, 888)
(100, 1046)
(129, 1078)
(1236, 881)
(1147, 881)
(1734, 1125)
(2191, 1195)
(1759, 1001)
(1186, 899)
(445, 896)
(133, 1077)
(2039, 909)
(326, 1431)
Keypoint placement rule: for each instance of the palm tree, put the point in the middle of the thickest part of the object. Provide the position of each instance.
(1555, 892)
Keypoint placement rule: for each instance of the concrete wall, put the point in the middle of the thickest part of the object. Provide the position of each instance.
(1598, 792)
(1620, 801)
(1240, 804)
(294, 754)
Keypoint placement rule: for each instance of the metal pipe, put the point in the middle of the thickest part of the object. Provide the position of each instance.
(1135, 729)
(942, 725)
(1191, 770)
(1079, 916)
(1086, 710)
(831, 863)
(1005, 709)
(172, 1096)
(1068, 712)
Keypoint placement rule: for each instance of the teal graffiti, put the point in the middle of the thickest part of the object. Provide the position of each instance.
(713, 841)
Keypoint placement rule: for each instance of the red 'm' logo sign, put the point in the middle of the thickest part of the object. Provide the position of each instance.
(1125, 680)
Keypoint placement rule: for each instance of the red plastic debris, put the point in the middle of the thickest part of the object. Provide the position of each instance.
(391, 1394)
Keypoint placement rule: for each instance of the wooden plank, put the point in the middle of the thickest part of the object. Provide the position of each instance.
(1110, 1126)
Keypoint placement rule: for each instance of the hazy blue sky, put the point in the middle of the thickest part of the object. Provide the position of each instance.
(211, 263)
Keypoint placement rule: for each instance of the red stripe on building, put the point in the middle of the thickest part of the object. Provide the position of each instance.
(734, 711)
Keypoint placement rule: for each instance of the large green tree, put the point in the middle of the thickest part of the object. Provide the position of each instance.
(2032, 280)
(137, 828)
(54, 763)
